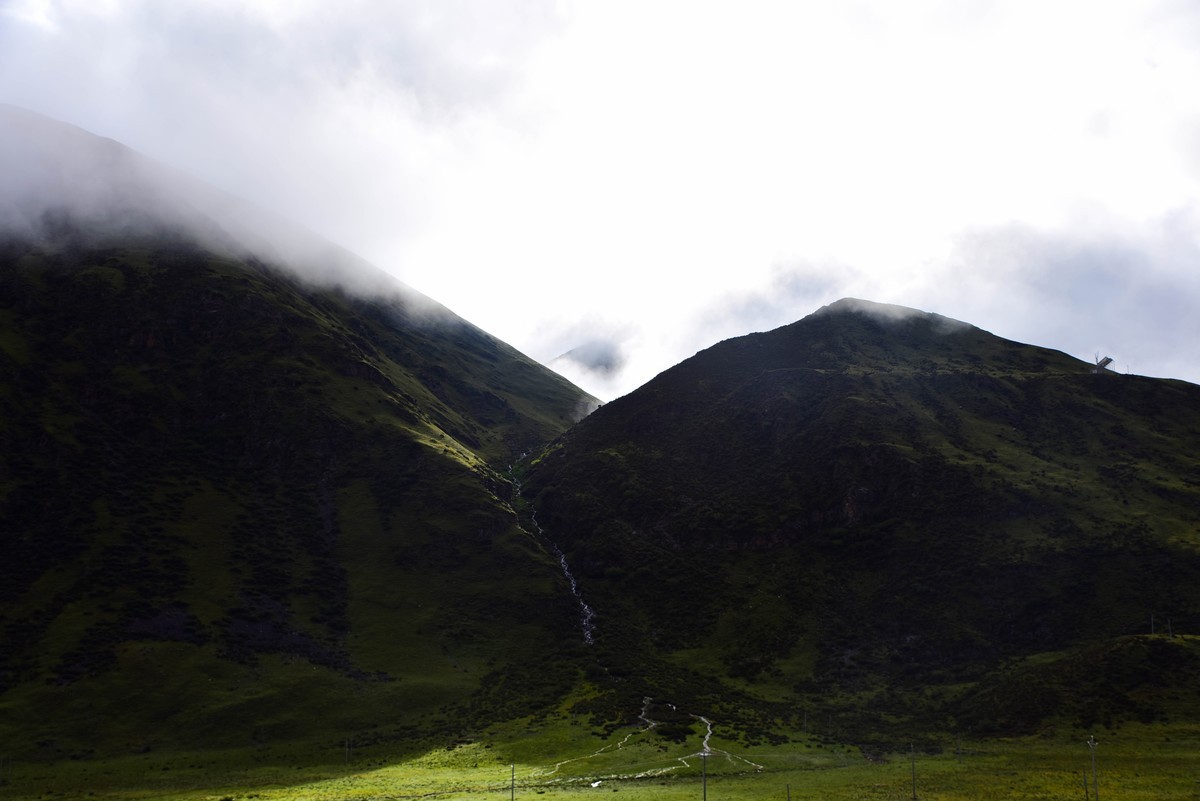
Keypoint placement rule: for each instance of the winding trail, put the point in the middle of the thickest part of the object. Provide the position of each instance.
(705, 751)
(650, 724)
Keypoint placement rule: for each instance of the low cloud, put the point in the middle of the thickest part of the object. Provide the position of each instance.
(342, 118)
(1101, 286)
(598, 355)
(61, 181)
(594, 353)
(502, 159)
(791, 290)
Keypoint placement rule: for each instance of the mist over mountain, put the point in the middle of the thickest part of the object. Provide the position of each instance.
(61, 179)
(257, 497)
(234, 481)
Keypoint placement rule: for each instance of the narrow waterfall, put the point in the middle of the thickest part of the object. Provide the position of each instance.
(586, 613)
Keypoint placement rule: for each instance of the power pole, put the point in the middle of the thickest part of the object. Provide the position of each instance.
(912, 755)
(704, 776)
(512, 783)
(1091, 742)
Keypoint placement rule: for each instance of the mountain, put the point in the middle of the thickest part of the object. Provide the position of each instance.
(252, 491)
(259, 502)
(877, 514)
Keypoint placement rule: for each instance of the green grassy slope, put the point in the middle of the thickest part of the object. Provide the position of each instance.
(236, 510)
(868, 511)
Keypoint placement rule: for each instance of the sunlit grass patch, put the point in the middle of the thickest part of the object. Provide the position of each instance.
(1136, 762)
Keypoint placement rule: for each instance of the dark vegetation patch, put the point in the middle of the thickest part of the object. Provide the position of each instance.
(287, 508)
(1143, 679)
(877, 514)
(180, 433)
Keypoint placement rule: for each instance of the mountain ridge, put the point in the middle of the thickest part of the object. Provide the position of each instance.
(270, 511)
(916, 500)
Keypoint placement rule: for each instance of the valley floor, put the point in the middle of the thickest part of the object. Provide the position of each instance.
(1133, 763)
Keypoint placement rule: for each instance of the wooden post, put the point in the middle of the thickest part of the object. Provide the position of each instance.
(912, 755)
(1095, 781)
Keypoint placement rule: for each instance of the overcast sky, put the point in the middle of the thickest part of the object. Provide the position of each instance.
(642, 179)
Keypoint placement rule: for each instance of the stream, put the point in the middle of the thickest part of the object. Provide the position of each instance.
(586, 613)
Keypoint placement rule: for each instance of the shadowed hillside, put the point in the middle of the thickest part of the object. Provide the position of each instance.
(237, 508)
(256, 501)
(871, 503)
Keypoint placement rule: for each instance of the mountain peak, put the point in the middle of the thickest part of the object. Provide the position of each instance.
(864, 306)
(890, 313)
(819, 489)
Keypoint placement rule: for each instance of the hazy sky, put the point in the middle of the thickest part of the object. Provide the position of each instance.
(642, 179)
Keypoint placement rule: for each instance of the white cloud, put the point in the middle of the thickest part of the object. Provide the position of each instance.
(1101, 286)
(673, 171)
(36, 13)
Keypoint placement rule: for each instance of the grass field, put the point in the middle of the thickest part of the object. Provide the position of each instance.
(1133, 763)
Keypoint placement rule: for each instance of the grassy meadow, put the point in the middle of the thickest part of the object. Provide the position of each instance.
(550, 761)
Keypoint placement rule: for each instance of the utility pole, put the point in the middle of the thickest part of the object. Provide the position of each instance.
(789, 792)
(1091, 743)
(512, 783)
(912, 756)
(704, 775)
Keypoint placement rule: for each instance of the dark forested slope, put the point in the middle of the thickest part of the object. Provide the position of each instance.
(239, 506)
(874, 499)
